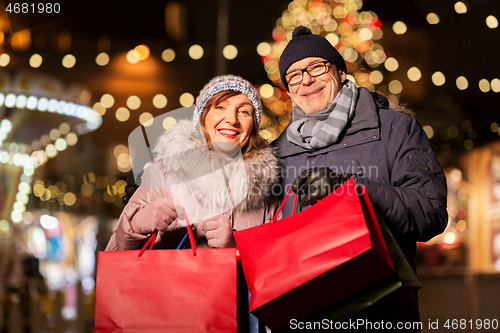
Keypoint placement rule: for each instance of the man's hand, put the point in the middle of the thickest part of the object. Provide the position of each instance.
(218, 231)
(316, 183)
(158, 215)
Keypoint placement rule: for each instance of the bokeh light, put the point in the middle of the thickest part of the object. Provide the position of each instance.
(69, 198)
(492, 22)
(51, 150)
(266, 91)
(102, 59)
(366, 34)
(263, 49)
(24, 187)
(4, 59)
(120, 186)
(122, 114)
(123, 163)
(54, 134)
(36, 60)
(87, 190)
(449, 238)
(495, 85)
(391, 64)
(64, 128)
(31, 103)
(43, 104)
(461, 225)
(195, 52)
(186, 99)
(230, 52)
(169, 122)
(16, 216)
(468, 144)
(438, 79)
(10, 100)
(395, 87)
(4, 225)
(333, 39)
(142, 52)
(69, 61)
(21, 101)
(460, 7)
(160, 101)
(120, 149)
(429, 131)
(462, 83)
(146, 119)
(265, 134)
(133, 102)
(133, 56)
(168, 55)
(376, 77)
(414, 74)
(71, 139)
(99, 108)
(60, 144)
(484, 85)
(432, 18)
(399, 28)
(107, 100)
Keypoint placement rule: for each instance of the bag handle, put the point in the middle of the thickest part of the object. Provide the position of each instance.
(182, 242)
(152, 239)
(283, 203)
(190, 233)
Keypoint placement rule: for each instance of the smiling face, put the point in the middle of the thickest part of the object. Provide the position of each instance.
(314, 94)
(229, 120)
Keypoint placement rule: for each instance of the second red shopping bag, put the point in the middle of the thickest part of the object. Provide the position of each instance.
(302, 263)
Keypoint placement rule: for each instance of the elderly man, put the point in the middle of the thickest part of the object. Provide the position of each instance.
(355, 132)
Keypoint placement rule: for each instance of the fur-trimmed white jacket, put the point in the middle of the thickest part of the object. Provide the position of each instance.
(201, 183)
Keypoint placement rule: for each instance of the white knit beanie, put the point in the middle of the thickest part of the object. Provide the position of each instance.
(223, 83)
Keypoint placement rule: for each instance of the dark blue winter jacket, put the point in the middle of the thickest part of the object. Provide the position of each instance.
(390, 154)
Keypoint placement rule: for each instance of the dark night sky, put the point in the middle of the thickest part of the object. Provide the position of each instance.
(458, 45)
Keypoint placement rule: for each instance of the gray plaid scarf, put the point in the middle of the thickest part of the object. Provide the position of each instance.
(322, 129)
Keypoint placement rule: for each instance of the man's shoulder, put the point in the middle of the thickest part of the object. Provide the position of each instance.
(369, 99)
(397, 125)
(396, 117)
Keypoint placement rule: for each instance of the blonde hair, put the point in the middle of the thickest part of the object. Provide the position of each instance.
(255, 142)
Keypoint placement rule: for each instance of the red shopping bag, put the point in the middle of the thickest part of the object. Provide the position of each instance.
(192, 290)
(302, 263)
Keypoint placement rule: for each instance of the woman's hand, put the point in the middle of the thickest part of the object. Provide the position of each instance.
(218, 231)
(158, 215)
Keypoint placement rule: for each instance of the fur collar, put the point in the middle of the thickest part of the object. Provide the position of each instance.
(185, 155)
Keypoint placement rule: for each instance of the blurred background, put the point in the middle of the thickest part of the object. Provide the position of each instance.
(74, 85)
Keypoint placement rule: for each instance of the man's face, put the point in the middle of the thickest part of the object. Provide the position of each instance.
(314, 94)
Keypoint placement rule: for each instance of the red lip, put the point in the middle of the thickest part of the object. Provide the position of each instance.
(226, 135)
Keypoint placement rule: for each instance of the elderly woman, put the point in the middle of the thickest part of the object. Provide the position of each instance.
(197, 171)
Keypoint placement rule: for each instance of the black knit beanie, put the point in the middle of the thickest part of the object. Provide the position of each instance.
(306, 44)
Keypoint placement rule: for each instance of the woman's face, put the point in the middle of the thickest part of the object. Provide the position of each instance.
(230, 121)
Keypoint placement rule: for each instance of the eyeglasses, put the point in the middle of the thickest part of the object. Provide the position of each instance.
(313, 70)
